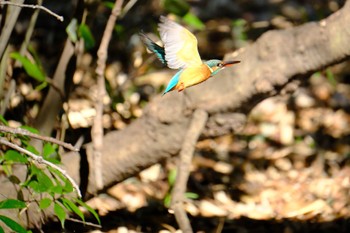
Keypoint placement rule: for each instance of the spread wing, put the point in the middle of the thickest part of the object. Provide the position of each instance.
(180, 45)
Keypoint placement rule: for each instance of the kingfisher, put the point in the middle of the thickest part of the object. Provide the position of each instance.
(180, 52)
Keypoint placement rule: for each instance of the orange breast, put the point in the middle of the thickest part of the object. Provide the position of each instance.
(192, 76)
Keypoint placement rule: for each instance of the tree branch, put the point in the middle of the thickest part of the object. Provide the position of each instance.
(183, 171)
(40, 160)
(37, 136)
(97, 128)
(60, 18)
(6, 31)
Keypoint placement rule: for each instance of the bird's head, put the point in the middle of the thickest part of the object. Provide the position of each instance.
(218, 65)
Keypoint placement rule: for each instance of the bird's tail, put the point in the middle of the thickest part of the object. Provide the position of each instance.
(151, 45)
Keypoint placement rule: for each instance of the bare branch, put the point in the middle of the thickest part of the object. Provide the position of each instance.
(37, 136)
(84, 222)
(60, 18)
(40, 160)
(10, 91)
(127, 7)
(8, 27)
(97, 128)
(198, 122)
(29, 32)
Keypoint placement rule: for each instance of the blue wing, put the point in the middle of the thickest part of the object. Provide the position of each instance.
(174, 80)
(158, 50)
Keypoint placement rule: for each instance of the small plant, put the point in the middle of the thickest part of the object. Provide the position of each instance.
(48, 185)
(171, 181)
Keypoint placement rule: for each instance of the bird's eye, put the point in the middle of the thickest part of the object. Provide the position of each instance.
(220, 65)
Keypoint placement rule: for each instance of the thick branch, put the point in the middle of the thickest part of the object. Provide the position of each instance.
(267, 66)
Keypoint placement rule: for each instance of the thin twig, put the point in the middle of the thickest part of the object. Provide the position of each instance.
(8, 27)
(60, 18)
(29, 32)
(3, 72)
(10, 91)
(97, 128)
(40, 160)
(127, 7)
(84, 222)
(37, 136)
(197, 125)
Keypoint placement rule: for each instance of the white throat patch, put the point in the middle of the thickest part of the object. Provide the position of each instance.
(211, 70)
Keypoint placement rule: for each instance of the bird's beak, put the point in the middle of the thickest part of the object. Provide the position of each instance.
(230, 63)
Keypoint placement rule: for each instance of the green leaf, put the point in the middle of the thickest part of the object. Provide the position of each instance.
(14, 226)
(120, 29)
(35, 55)
(33, 184)
(45, 203)
(41, 86)
(32, 69)
(172, 177)
(12, 204)
(57, 174)
(34, 169)
(44, 181)
(38, 180)
(239, 23)
(239, 29)
(50, 153)
(58, 189)
(85, 33)
(68, 187)
(91, 210)
(190, 195)
(73, 207)
(109, 5)
(60, 213)
(177, 7)
(15, 156)
(167, 200)
(31, 175)
(48, 150)
(193, 21)
(331, 78)
(32, 149)
(3, 120)
(71, 30)
(1, 230)
(7, 169)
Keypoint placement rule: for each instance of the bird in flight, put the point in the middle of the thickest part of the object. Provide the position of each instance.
(180, 52)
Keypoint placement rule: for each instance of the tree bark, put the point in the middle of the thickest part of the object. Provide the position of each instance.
(266, 67)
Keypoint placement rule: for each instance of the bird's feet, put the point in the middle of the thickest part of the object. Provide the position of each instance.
(181, 87)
